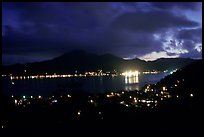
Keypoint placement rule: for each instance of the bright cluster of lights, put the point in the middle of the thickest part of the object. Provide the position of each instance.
(131, 73)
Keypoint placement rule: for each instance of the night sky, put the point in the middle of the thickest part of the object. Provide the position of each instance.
(40, 31)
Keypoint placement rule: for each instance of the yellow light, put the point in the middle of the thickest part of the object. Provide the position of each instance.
(148, 105)
(15, 101)
(91, 101)
(169, 96)
(130, 96)
(122, 102)
(130, 73)
(164, 88)
(79, 112)
(143, 101)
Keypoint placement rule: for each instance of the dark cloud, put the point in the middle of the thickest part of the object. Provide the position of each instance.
(182, 5)
(42, 30)
(151, 21)
(191, 34)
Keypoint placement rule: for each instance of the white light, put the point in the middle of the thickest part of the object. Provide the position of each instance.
(191, 95)
(15, 101)
(31, 96)
(122, 102)
(39, 97)
(12, 83)
(23, 96)
(54, 101)
(130, 73)
(177, 96)
(69, 96)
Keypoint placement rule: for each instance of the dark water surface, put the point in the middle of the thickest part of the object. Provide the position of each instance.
(94, 85)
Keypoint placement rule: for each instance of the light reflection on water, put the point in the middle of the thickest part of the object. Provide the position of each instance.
(132, 79)
(90, 84)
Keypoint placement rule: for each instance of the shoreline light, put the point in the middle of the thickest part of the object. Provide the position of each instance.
(130, 73)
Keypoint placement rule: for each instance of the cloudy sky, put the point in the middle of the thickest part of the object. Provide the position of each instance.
(40, 31)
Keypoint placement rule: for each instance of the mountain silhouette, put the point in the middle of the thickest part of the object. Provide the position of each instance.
(82, 61)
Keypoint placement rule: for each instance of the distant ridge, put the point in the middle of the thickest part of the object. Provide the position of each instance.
(83, 61)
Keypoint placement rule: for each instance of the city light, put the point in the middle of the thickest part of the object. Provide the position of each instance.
(164, 88)
(79, 112)
(54, 101)
(69, 96)
(191, 95)
(15, 101)
(130, 73)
